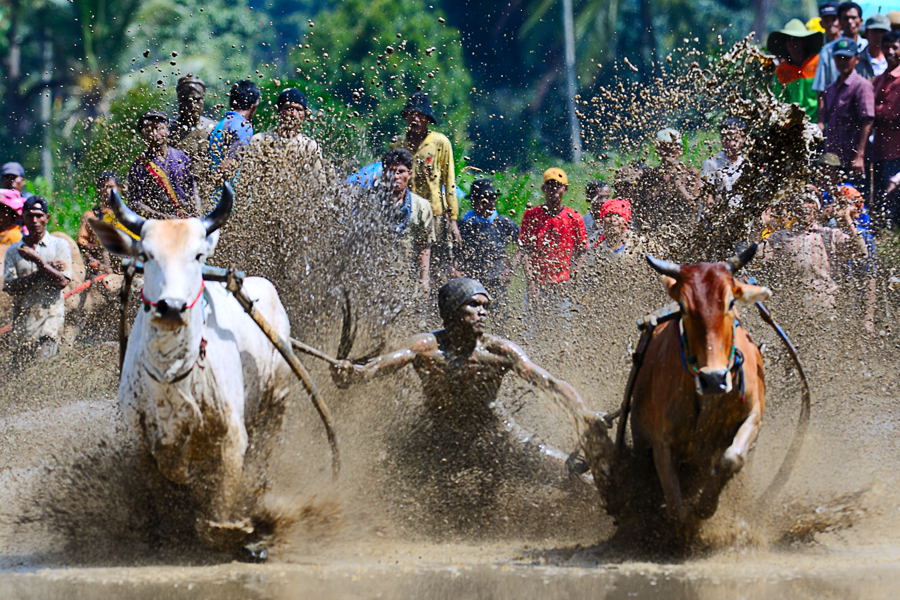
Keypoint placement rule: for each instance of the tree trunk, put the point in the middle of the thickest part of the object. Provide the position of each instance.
(12, 96)
(761, 10)
(649, 57)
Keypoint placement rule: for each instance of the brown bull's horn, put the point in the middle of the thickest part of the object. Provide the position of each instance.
(737, 262)
(221, 212)
(664, 267)
(127, 217)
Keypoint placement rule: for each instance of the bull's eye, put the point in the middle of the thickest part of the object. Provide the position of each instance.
(731, 304)
(199, 257)
(143, 256)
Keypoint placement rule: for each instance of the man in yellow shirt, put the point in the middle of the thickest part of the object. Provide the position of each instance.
(433, 178)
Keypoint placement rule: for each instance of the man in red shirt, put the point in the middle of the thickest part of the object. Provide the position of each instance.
(886, 143)
(551, 236)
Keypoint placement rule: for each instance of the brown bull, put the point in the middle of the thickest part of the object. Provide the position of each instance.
(700, 396)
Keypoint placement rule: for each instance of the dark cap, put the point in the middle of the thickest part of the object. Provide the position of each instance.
(483, 188)
(419, 103)
(456, 293)
(292, 96)
(828, 9)
(845, 47)
(12, 168)
(189, 81)
(152, 115)
(35, 204)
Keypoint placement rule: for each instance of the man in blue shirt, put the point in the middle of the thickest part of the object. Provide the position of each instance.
(232, 134)
(485, 237)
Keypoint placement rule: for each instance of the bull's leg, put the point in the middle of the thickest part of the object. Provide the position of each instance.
(736, 454)
(668, 479)
(221, 526)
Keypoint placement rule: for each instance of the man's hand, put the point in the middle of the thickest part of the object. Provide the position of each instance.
(858, 164)
(454, 231)
(30, 254)
(342, 373)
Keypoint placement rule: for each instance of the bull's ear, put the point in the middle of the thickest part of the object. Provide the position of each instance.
(113, 239)
(669, 284)
(749, 294)
(212, 240)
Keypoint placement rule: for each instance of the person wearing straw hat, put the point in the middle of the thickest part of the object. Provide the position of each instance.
(798, 50)
(433, 177)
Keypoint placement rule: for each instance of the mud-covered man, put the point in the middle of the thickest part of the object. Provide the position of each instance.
(463, 448)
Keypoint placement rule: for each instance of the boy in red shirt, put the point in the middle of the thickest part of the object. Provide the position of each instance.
(551, 236)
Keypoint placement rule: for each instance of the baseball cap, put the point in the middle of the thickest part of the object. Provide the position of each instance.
(35, 204)
(668, 135)
(292, 96)
(152, 115)
(845, 47)
(828, 9)
(878, 22)
(483, 188)
(12, 168)
(556, 174)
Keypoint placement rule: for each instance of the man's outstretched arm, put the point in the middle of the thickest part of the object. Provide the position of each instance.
(345, 373)
(560, 390)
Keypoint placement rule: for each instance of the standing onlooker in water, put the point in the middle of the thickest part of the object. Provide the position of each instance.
(552, 236)
(12, 177)
(798, 49)
(190, 132)
(408, 214)
(160, 183)
(886, 143)
(597, 193)
(828, 17)
(433, 177)
(722, 171)
(616, 218)
(848, 108)
(850, 18)
(35, 271)
(232, 133)
(485, 238)
(285, 152)
(97, 259)
(10, 214)
(670, 192)
(871, 60)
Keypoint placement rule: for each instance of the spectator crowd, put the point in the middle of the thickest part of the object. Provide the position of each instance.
(842, 69)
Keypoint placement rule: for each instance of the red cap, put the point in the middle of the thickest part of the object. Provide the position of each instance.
(617, 206)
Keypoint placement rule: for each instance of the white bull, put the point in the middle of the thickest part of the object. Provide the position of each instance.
(200, 383)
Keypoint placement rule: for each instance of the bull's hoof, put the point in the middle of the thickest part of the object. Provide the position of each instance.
(707, 505)
(576, 465)
(732, 461)
(253, 554)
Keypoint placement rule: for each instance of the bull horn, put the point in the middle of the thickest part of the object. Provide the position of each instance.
(741, 258)
(127, 217)
(221, 212)
(664, 267)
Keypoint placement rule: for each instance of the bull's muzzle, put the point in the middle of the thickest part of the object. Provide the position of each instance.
(713, 381)
(171, 310)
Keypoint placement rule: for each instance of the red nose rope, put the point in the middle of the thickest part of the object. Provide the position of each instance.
(149, 303)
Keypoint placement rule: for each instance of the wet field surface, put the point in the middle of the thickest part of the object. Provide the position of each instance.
(871, 573)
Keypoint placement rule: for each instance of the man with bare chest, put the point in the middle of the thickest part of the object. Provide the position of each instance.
(462, 450)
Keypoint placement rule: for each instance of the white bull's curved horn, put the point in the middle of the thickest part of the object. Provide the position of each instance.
(219, 215)
(127, 217)
(736, 262)
(664, 267)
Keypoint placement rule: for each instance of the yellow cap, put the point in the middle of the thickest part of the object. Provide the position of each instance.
(556, 174)
(815, 24)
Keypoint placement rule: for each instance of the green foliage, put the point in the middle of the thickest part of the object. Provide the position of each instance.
(218, 40)
(372, 54)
